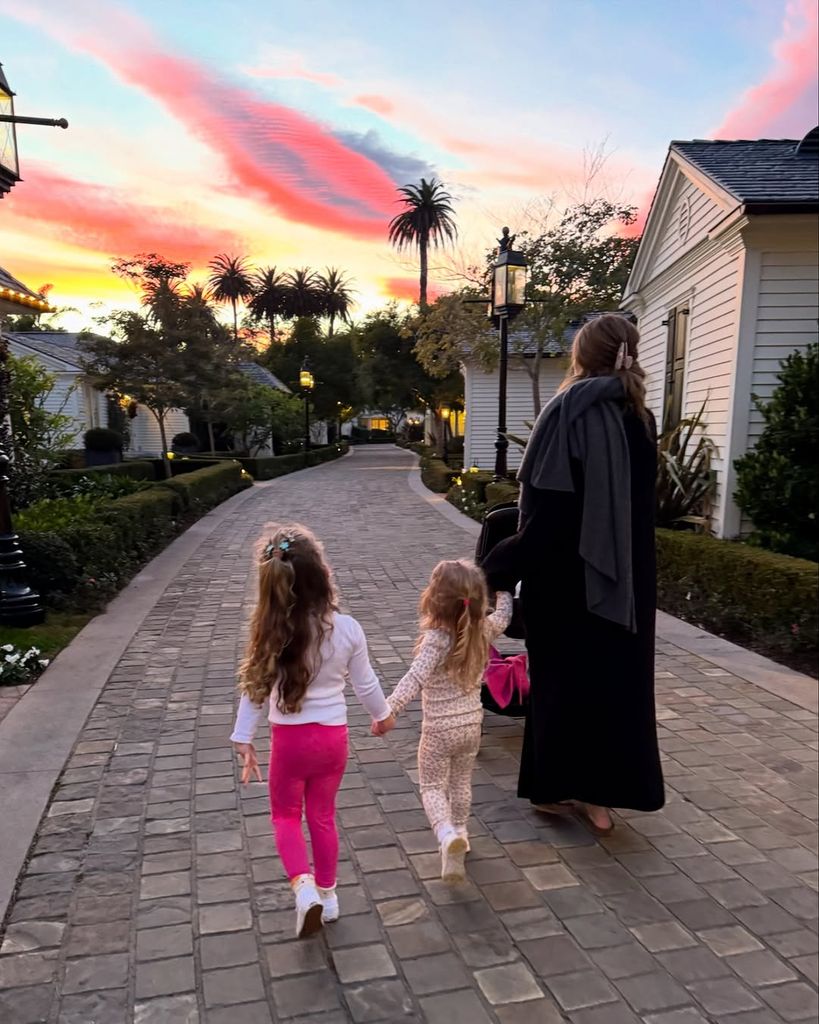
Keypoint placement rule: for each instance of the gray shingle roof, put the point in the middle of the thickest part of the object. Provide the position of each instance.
(54, 344)
(261, 375)
(522, 341)
(763, 173)
(7, 280)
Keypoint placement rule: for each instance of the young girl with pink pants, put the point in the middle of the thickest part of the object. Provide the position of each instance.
(300, 655)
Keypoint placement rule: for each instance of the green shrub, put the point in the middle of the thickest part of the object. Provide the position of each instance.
(52, 566)
(753, 597)
(137, 469)
(777, 482)
(101, 439)
(96, 486)
(501, 492)
(475, 484)
(437, 475)
(56, 513)
(685, 482)
(185, 440)
(272, 466)
(202, 489)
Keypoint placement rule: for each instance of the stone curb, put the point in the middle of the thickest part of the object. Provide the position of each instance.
(777, 679)
(38, 734)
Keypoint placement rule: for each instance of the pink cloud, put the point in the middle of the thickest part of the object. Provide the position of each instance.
(108, 220)
(378, 104)
(406, 289)
(292, 66)
(785, 103)
(271, 151)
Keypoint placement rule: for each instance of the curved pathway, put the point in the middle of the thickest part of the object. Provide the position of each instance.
(153, 893)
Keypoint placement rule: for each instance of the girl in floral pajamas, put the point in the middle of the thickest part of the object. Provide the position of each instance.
(450, 661)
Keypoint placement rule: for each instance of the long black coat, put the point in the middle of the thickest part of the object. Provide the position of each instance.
(590, 730)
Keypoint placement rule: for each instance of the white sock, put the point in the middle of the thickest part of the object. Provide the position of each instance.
(445, 832)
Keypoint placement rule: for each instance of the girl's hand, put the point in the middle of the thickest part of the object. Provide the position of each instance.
(384, 726)
(249, 762)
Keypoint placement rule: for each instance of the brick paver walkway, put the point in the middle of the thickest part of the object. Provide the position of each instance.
(153, 893)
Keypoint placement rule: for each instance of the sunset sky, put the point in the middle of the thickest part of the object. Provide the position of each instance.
(280, 130)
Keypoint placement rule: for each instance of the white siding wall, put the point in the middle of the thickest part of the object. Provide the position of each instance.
(703, 214)
(786, 320)
(481, 399)
(710, 289)
(145, 436)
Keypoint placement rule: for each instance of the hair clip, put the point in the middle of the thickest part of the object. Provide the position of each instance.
(466, 602)
(623, 361)
(270, 548)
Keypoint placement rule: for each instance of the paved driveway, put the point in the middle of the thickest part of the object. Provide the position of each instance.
(153, 893)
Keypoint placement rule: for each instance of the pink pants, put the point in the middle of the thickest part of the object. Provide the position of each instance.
(307, 763)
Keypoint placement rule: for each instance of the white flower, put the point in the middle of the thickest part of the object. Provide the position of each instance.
(7, 647)
(44, 662)
(12, 659)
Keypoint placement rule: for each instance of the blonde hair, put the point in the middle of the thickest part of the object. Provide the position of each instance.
(456, 601)
(293, 614)
(607, 346)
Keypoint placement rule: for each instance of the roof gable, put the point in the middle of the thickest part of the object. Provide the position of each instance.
(51, 344)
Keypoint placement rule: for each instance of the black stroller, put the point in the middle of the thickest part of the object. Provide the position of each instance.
(499, 523)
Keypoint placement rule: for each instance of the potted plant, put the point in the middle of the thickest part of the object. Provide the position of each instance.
(103, 447)
(185, 444)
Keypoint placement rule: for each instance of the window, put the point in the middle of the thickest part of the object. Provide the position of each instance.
(677, 324)
(379, 424)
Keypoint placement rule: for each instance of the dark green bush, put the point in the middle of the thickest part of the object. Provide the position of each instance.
(753, 597)
(272, 466)
(137, 469)
(205, 488)
(52, 566)
(101, 439)
(437, 475)
(475, 484)
(501, 493)
(777, 482)
(185, 440)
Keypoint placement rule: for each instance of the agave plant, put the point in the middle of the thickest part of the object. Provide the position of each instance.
(685, 481)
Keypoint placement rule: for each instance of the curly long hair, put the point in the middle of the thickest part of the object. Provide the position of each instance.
(456, 600)
(293, 615)
(595, 354)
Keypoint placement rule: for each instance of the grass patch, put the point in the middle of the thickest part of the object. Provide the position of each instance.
(52, 636)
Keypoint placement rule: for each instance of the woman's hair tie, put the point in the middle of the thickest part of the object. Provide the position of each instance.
(623, 361)
(466, 602)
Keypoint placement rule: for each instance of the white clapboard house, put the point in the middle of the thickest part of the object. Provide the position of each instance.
(725, 285)
(75, 395)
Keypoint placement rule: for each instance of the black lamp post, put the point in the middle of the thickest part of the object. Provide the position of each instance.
(445, 414)
(508, 299)
(306, 383)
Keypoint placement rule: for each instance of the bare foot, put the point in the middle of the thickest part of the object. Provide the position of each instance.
(598, 817)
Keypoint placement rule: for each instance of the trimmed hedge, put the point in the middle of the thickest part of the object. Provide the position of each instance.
(501, 493)
(137, 469)
(99, 554)
(475, 484)
(437, 475)
(272, 466)
(203, 489)
(750, 596)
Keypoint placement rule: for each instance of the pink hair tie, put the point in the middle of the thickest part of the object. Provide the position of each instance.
(466, 602)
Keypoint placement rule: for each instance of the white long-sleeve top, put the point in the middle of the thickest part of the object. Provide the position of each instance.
(446, 704)
(343, 656)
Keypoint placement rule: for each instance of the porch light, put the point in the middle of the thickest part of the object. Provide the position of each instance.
(306, 380)
(508, 279)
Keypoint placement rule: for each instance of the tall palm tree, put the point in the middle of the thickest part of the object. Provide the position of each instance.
(269, 297)
(231, 281)
(335, 296)
(303, 297)
(427, 218)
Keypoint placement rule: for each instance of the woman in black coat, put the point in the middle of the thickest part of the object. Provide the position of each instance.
(585, 556)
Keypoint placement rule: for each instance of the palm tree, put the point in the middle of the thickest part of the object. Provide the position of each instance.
(335, 296)
(269, 297)
(230, 281)
(303, 297)
(428, 217)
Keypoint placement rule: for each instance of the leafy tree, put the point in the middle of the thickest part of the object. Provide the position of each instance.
(269, 299)
(257, 413)
(427, 219)
(333, 363)
(777, 483)
(335, 297)
(143, 360)
(231, 280)
(31, 434)
(578, 265)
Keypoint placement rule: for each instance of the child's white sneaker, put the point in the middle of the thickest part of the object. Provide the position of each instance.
(329, 903)
(460, 830)
(309, 908)
(453, 852)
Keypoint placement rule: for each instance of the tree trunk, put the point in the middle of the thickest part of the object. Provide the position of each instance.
(423, 245)
(272, 329)
(535, 375)
(160, 419)
(211, 439)
(332, 324)
(235, 323)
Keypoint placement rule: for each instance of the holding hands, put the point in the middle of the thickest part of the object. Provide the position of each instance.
(383, 727)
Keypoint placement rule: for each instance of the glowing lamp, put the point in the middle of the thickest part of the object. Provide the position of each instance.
(508, 280)
(306, 380)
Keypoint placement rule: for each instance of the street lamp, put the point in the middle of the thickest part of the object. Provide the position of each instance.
(9, 165)
(445, 414)
(507, 300)
(306, 383)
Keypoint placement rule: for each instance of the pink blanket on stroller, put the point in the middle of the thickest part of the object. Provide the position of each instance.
(507, 679)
